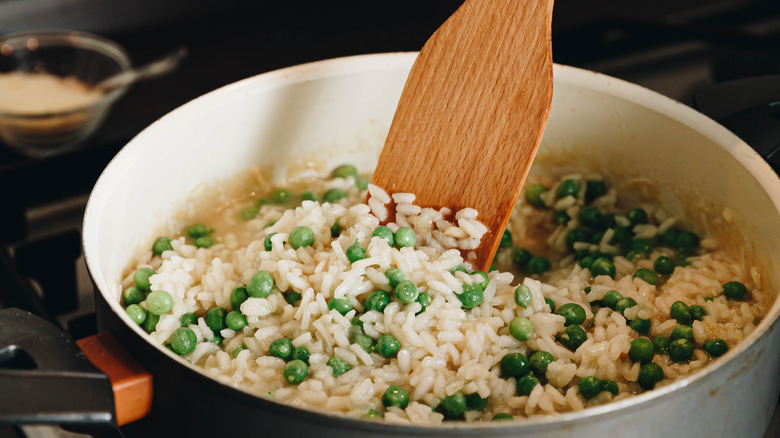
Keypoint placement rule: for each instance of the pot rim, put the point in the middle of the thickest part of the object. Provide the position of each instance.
(652, 100)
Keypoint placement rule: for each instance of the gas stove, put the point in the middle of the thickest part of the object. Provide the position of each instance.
(689, 50)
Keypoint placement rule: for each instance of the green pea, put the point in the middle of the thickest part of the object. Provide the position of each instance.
(525, 385)
(664, 265)
(405, 237)
(238, 296)
(734, 290)
(269, 224)
(235, 320)
(610, 386)
(581, 254)
(249, 213)
(281, 348)
(682, 332)
(591, 216)
(161, 244)
(611, 299)
(533, 195)
(267, 244)
(341, 305)
(385, 234)
(345, 171)
(132, 295)
(661, 344)
(572, 337)
(586, 289)
(642, 244)
(338, 365)
(476, 403)
(471, 296)
(217, 340)
(523, 296)
(537, 265)
(282, 196)
(680, 312)
(300, 237)
(295, 371)
(372, 414)
(361, 184)
(406, 292)
(574, 313)
(520, 257)
(301, 353)
(204, 242)
(333, 195)
(647, 275)
(199, 230)
(550, 303)
(697, 312)
(388, 345)
(621, 236)
(539, 361)
(150, 323)
(595, 189)
(624, 304)
(586, 263)
(356, 252)
(183, 341)
(188, 319)
(716, 347)
(262, 202)
(502, 416)
(687, 241)
(650, 374)
(641, 350)
(596, 238)
(425, 300)
(453, 406)
(636, 255)
(669, 238)
(260, 285)
(395, 396)
(641, 326)
(458, 269)
(561, 217)
(377, 300)
(395, 276)
(136, 313)
(292, 297)
(569, 187)
(310, 196)
(514, 365)
(141, 279)
(335, 229)
(159, 302)
(590, 386)
(521, 328)
(577, 235)
(637, 216)
(239, 349)
(365, 342)
(506, 239)
(603, 266)
(215, 318)
(680, 350)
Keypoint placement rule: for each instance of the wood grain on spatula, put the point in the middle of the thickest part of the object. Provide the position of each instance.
(473, 112)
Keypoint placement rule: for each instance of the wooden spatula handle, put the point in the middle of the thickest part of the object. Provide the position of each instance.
(473, 112)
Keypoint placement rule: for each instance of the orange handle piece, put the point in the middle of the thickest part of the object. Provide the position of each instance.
(131, 383)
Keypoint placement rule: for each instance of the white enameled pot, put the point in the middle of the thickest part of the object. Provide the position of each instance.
(311, 117)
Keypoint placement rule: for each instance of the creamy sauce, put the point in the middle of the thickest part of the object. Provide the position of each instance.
(43, 93)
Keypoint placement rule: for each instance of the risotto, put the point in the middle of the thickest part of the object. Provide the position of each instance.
(302, 296)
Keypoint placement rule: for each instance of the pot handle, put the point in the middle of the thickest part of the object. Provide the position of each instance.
(750, 108)
(46, 379)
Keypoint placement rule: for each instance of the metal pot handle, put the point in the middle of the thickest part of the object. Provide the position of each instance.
(750, 108)
(45, 378)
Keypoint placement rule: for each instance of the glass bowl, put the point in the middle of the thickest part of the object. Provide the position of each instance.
(47, 78)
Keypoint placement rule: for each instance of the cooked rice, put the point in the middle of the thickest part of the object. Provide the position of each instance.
(446, 348)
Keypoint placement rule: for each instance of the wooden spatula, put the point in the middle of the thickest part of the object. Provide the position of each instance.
(473, 112)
